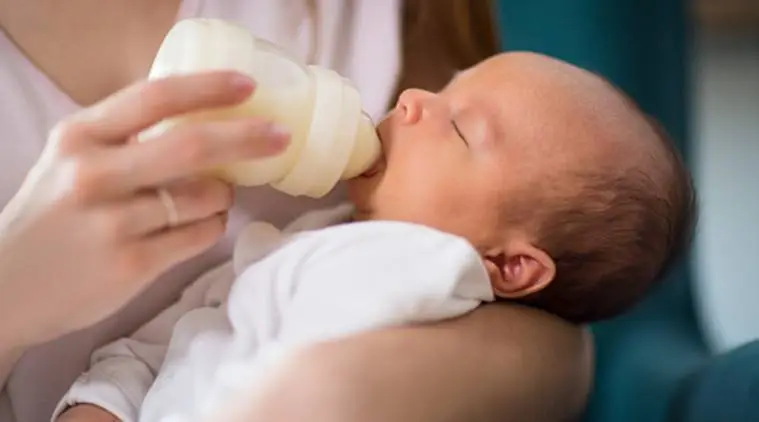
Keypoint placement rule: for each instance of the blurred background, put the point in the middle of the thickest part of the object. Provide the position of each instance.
(691, 351)
(725, 127)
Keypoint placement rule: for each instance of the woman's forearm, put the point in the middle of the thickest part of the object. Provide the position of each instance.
(497, 363)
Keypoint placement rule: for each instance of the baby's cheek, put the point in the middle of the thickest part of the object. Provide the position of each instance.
(400, 194)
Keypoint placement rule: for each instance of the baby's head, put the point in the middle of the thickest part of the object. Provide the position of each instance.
(576, 201)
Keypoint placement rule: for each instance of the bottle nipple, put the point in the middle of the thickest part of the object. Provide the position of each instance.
(366, 150)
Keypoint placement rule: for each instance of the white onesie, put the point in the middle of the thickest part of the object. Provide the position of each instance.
(316, 280)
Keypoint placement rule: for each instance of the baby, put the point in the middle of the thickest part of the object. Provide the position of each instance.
(526, 179)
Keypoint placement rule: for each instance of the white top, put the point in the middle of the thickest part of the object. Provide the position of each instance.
(283, 289)
(358, 38)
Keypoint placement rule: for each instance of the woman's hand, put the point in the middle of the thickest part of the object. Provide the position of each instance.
(90, 227)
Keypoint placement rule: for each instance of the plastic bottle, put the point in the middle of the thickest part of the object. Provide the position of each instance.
(332, 138)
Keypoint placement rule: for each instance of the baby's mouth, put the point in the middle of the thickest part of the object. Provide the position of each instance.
(376, 168)
(380, 164)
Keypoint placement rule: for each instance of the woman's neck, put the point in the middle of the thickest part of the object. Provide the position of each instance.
(89, 48)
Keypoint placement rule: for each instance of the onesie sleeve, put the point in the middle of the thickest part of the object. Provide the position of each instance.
(324, 284)
(121, 372)
(372, 275)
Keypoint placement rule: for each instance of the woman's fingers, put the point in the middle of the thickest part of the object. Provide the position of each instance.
(190, 150)
(146, 212)
(139, 106)
(157, 252)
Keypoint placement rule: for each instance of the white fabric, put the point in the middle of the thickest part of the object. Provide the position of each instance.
(358, 38)
(291, 288)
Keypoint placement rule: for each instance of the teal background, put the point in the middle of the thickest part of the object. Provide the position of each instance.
(653, 364)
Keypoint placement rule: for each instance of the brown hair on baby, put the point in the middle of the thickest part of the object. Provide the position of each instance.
(617, 236)
(613, 236)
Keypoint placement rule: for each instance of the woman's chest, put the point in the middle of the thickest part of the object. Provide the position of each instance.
(27, 112)
(57, 38)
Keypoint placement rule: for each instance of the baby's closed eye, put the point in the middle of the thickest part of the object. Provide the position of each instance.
(458, 132)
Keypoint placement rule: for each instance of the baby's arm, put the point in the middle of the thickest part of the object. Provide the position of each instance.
(121, 372)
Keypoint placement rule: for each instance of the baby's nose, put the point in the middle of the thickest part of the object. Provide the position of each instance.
(412, 104)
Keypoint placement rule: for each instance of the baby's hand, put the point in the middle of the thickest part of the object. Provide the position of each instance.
(87, 413)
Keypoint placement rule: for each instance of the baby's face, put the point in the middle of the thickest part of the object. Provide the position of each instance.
(456, 160)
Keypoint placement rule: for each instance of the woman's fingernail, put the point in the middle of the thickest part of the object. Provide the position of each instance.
(242, 82)
(279, 137)
(279, 131)
(279, 144)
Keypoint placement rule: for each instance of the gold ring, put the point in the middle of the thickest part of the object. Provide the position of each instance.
(172, 214)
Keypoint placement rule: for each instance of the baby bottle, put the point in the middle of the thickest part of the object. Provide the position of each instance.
(332, 139)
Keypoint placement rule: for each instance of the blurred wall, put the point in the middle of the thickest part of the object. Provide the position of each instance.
(726, 162)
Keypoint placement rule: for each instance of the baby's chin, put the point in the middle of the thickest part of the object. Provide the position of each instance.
(362, 189)
(364, 184)
(360, 192)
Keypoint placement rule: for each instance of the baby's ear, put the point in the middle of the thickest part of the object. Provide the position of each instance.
(519, 269)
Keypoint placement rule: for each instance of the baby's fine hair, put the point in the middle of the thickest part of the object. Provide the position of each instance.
(615, 239)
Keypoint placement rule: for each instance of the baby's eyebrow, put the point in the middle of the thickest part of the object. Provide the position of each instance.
(492, 129)
(457, 73)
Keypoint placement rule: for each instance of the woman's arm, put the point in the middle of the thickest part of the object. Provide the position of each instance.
(501, 363)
